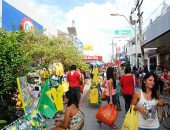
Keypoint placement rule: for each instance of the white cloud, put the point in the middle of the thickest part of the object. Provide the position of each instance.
(92, 21)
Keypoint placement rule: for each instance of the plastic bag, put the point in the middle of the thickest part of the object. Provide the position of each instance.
(103, 95)
(107, 114)
(131, 120)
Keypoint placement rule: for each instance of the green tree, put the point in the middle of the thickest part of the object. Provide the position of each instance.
(45, 50)
(13, 63)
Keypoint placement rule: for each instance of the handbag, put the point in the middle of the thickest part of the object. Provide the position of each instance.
(131, 120)
(81, 89)
(77, 121)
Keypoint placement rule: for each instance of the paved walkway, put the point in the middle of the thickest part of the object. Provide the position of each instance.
(90, 113)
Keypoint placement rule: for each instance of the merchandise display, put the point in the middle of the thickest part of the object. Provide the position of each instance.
(33, 121)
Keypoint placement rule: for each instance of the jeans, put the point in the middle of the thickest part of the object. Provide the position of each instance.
(77, 91)
(113, 99)
(149, 128)
(128, 99)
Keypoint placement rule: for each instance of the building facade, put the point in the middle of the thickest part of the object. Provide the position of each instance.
(13, 19)
(157, 36)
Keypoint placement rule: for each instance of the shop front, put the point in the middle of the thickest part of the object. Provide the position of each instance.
(157, 36)
(164, 53)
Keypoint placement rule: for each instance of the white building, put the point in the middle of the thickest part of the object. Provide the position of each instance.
(131, 52)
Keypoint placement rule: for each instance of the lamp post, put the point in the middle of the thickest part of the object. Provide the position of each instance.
(136, 40)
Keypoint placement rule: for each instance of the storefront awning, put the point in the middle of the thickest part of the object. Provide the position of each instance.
(163, 40)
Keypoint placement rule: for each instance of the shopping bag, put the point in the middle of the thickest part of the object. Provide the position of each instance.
(131, 120)
(81, 89)
(107, 114)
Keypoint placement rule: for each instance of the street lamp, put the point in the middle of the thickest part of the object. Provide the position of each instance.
(125, 18)
(135, 30)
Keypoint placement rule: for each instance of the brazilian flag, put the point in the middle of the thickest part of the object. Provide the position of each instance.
(46, 104)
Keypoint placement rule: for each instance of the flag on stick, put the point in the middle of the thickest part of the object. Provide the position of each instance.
(46, 104)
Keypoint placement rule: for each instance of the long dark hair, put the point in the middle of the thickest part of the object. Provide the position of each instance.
(72, 98)
(154, 89)
(110, 75)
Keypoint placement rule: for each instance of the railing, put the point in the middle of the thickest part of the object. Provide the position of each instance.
(157, 13)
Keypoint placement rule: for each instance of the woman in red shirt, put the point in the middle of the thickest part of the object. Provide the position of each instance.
(73, 78)
(127, 87)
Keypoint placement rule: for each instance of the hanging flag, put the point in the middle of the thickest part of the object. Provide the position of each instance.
(58, 97)
(46, 104)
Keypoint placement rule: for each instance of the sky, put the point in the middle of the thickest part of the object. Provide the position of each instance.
(93, 22)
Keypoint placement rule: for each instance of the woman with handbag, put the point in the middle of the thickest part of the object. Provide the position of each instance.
(127, 86)
(74, 118)
(145, 102)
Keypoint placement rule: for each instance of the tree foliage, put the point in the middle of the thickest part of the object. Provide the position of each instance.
(45, 50)
(13, 63)
(17, 52)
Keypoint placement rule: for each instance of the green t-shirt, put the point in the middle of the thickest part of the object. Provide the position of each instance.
(117, 86)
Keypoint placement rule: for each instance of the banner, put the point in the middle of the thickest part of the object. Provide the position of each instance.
(26, 99)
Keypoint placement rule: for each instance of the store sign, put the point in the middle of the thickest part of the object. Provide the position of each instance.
(87, 46)
(27, 25)
(99, 58)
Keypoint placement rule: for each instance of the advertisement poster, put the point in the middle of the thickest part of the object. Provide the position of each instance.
(27, 100)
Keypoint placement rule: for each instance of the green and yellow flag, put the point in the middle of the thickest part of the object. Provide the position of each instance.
(46, 104)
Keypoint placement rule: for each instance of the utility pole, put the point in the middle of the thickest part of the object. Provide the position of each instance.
(139, 14)
(140, 30)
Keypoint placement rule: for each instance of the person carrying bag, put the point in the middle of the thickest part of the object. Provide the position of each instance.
(131, 120)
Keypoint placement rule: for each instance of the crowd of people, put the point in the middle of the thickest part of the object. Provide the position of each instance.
(139, 88)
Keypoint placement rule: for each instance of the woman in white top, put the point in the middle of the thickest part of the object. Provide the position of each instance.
(145, 102)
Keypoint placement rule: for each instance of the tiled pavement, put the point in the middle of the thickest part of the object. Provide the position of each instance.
(90, 114)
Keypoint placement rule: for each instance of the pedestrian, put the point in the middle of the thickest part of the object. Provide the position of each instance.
(74, 80)
(73, 116)
(118, 93)
(145, 102)
(127, 86)
(121, 70)
(160, 82)
(110, 85)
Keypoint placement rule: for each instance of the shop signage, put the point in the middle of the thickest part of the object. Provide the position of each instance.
(27, 25)
(99, 58)
(87, 46)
